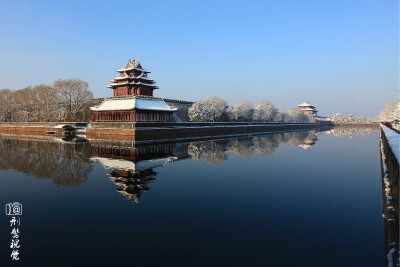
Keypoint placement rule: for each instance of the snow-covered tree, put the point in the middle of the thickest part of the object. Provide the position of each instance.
(213, 153)
(242, 147)
(216, 105)
(338, 118)
(282, 116)
(210, 109)
(242, 111)
(391, 112)
(198, 112)
(265, 111)
(297, 115)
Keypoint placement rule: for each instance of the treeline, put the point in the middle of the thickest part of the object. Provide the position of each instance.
(64, 100)
(66, 164)
(338, 118)
(390, 113)
(215, 108)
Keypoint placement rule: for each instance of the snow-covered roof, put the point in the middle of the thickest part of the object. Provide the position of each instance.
(323, 118)
(116, 84)
(145, 78)
(305, 104)
(146, 84)
(121, 78)
(122, 164)
(128, 77)
(133, 103)
(152, 104)
(132, 68)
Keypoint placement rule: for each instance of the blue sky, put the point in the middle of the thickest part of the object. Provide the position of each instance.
(341, 55)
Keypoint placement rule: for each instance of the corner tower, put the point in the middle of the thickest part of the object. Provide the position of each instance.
(133, 80)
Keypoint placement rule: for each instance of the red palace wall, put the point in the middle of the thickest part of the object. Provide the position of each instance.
(132, 116)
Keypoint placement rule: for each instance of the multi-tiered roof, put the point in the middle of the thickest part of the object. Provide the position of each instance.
(307, 107)
(133, 80)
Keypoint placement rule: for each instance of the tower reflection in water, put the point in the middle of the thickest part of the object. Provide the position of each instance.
(133, 167)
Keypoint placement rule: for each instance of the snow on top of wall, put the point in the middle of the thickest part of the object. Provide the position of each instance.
(393, 140)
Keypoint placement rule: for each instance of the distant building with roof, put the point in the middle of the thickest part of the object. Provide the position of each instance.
(312, 111)
(308, 108)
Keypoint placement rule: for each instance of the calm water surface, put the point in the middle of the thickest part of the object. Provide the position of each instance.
(287, 199)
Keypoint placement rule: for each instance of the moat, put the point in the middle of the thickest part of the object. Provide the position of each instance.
(306, 198)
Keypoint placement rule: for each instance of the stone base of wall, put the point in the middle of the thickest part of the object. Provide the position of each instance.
(27, 130)
(41, 124)
(372, 125)
(158, 131)
(132, 125)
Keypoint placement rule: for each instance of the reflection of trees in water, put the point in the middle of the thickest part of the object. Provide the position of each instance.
(265, 145)
(242, 148)
(214, 152)
(66, 164)
(339, 131)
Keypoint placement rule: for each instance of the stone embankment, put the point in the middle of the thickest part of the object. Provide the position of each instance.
(34, 128)
(390, 156)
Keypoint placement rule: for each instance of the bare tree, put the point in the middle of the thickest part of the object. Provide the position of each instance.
(74, 94)
(47, 100)
(26, 104)
(7, 105)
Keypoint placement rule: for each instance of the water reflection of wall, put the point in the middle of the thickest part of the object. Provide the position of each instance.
(133, 165)
(64, 163)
